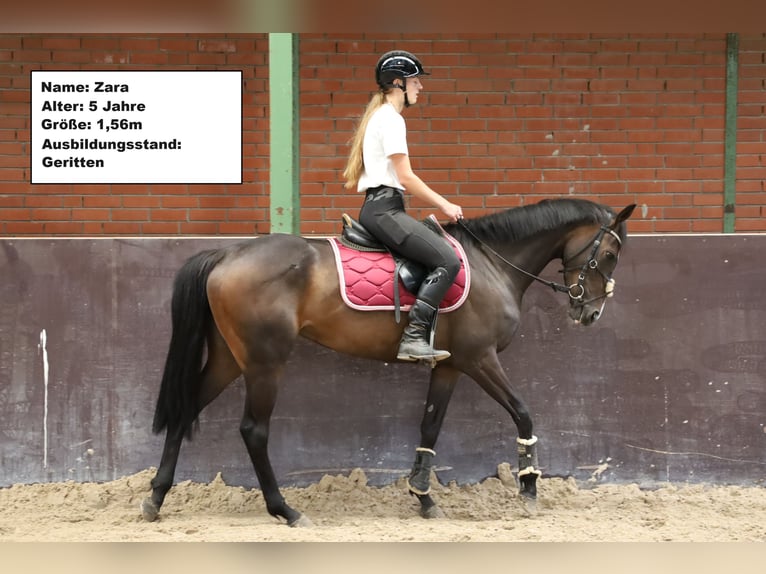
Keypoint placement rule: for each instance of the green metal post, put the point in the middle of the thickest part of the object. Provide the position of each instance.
(284, 133)
(730, 143)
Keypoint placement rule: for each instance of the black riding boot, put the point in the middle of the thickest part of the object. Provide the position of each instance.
(415, 344)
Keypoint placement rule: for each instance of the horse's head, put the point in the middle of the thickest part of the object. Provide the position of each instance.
(589, 261)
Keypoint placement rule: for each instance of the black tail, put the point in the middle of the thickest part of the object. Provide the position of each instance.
(190, 311)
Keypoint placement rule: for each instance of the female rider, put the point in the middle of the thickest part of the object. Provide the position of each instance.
(379, 165)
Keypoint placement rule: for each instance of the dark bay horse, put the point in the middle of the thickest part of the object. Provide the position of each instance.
(239, 310)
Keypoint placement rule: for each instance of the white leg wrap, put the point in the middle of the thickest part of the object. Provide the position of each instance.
(527, 441)
(419, 480)
(530, 470)
(527, 456)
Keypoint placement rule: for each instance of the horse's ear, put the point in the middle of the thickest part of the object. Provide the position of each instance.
(624, 214)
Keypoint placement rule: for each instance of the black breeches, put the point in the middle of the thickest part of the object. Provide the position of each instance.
(384, 216)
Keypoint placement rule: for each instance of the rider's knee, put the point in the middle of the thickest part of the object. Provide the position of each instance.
(452, 266)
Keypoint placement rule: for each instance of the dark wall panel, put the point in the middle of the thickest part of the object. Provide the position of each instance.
(669, 385)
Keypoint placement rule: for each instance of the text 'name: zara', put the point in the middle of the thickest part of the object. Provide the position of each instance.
(80, 88)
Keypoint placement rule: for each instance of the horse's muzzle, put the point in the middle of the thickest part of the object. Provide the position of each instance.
(585, 314)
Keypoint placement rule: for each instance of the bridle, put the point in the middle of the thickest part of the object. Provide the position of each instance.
(575, 290)
(591, 264)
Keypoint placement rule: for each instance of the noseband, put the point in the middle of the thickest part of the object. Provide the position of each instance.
(575, 290)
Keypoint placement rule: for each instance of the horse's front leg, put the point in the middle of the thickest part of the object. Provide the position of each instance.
(491, 377)
(443, 379)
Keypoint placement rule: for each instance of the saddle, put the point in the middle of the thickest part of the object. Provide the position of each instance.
(372, 276)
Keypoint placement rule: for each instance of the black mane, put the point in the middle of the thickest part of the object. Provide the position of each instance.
(522, 222)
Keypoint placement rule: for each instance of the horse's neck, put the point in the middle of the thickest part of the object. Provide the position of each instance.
(537, 251)
(532, 255)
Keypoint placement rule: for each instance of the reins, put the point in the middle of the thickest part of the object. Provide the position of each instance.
(590, 263)
(552, 284)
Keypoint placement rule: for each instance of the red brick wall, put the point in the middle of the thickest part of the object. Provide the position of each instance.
(131, 209)
(508, 120)
(504, 120)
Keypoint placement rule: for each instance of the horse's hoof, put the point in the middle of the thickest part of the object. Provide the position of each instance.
(301, 522)
(149, 510)
(432, 512)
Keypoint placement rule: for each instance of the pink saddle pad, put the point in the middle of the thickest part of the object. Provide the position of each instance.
(367, 280)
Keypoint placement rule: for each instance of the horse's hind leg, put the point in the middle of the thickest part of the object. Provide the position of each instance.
(163, 479)
(220, 370)
(261, 385)
(443, 379)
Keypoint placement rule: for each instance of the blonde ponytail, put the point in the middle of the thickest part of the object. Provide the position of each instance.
(355, 164)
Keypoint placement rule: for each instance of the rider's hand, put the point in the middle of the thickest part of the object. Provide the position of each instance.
(453, 211)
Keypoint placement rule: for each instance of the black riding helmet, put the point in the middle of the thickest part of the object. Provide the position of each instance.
(398, 64)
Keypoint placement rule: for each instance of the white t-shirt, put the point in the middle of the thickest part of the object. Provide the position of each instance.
(386, 135)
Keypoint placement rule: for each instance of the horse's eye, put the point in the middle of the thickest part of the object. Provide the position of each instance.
(609, 255)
